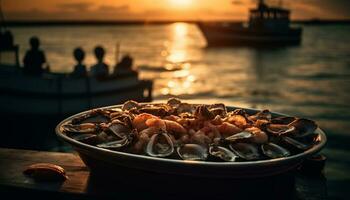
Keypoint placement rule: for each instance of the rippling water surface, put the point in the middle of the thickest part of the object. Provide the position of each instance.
(311, 80)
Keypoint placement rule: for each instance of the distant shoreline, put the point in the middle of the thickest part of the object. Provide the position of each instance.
(20, 23)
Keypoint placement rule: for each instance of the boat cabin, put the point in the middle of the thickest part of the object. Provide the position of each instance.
(269, 18)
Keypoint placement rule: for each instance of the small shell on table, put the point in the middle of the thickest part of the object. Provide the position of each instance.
(46, 172)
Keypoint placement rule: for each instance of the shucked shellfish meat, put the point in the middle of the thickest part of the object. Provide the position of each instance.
(197, 132)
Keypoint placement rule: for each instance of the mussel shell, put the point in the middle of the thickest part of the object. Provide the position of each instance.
(273, 150)
(218, 109)
(282, 120)
(153, 110)
(155, 148)
(86, 138)
(174, 102)
(95, 116)
(279, 129)
(129, 105)
(304, 127)
(203, 112)
(185, 108)
(297, 144)
(194, 152)
(262, 115)
(80, 128)
(246, 151)
(222, 153)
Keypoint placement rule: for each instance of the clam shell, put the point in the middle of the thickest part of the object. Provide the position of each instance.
(158, 148)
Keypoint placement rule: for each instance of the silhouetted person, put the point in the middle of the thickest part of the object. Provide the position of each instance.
(34, 59)
(100, 69)
(80, 68)
(6, 40)
(124, 67)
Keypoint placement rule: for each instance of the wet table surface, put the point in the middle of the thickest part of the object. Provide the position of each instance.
(85, 185)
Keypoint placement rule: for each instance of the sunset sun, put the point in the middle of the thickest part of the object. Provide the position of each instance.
(180, 3)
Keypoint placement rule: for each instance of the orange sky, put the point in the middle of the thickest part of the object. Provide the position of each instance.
(163, 9)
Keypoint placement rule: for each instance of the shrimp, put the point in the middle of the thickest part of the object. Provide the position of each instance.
(211, 130)
(172, 118)
(200, 138)
(149, 131)
(157, 123)
(217, 120)
(238, 120)
(174, 127)
(226, 129)
(141, 142)
(139, 122)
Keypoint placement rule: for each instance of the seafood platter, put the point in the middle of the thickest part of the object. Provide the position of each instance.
(176, 137)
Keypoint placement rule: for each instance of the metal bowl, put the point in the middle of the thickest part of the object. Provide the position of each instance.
(99, 159)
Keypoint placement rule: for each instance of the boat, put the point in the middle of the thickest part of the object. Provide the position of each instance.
(31, 106)
(266, 26)
(60, 94)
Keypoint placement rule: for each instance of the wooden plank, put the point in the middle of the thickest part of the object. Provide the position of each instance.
(83, 185)
(13, 162)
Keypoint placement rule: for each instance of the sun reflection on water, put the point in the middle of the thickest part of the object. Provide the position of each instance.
(181, 80)
(177, 49)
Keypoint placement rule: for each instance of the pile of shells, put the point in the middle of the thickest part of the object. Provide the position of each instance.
(179, 130)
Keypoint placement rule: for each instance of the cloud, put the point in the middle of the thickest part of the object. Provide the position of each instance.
(79, 7)
(109, 8)
(237, 2)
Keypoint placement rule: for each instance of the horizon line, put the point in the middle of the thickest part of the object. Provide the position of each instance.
(145, 22)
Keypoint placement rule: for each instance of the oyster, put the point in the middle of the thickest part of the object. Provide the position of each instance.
(246, 151)
(118, 128)
(160, 145)
(272, 150)
(222, 153)
(117, 135)
(239, 136)
(194, 152)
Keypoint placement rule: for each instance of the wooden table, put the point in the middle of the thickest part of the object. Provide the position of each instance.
(84, 185)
